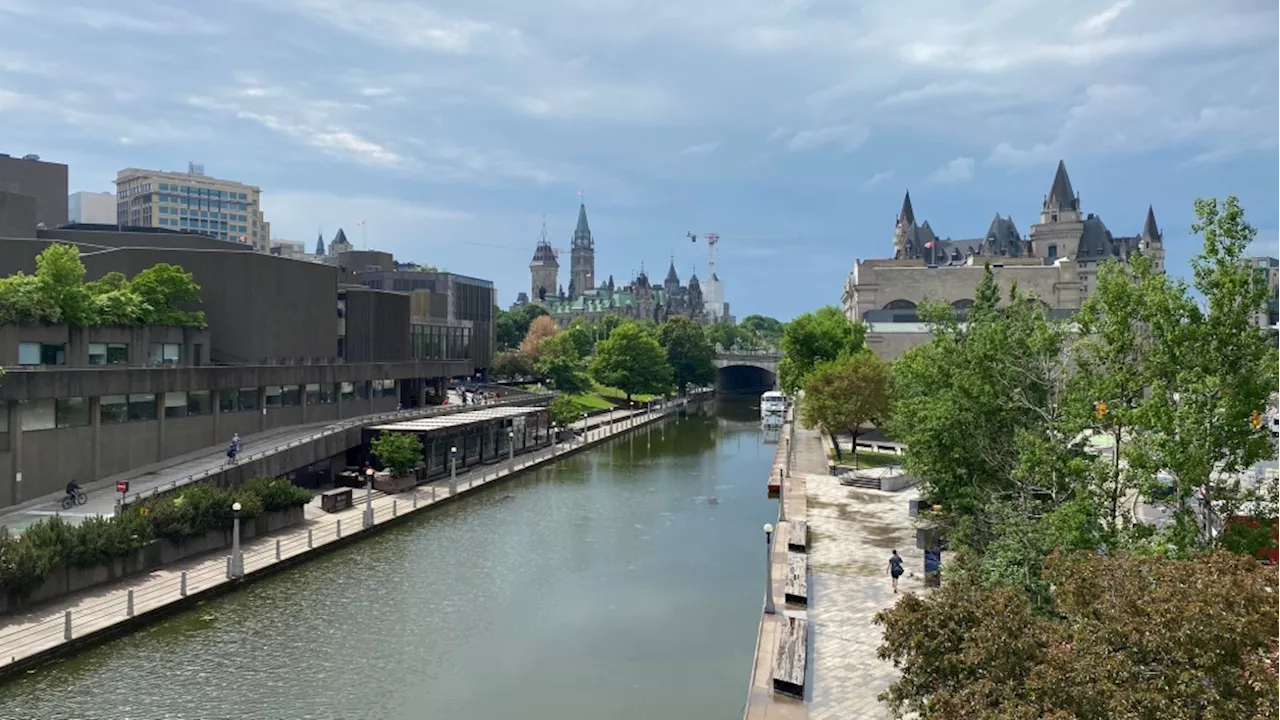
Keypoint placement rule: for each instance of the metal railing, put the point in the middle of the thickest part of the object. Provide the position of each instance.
(327, 430)
(30, 637)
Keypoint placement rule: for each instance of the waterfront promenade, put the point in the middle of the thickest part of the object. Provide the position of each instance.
(31, 638)
(851, 533)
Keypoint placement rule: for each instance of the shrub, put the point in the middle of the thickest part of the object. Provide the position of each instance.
(277, 493)
(99, 540)
(398, 452)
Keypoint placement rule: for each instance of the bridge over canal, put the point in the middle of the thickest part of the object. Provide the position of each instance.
(746, 371)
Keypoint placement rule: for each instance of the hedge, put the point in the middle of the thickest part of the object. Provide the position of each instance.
(27, 560)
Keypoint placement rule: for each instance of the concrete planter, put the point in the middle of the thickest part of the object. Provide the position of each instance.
(68, 579)
(391, 485)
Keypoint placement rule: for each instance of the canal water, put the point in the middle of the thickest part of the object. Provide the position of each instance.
(610, 585)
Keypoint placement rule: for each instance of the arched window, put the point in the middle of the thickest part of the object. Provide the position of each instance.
(900, 305)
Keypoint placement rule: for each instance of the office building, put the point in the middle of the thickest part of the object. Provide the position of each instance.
(44, 181)
(91, 208)
(286, 342)
(1269, 269)
(191, 200)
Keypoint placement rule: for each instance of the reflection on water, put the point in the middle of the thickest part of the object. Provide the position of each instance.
(605, 586)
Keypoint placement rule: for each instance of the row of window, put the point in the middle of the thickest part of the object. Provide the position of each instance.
(201, 192)
(50, 414)
(193, 224)
(213, 215)
(434, 342)
(35, 353)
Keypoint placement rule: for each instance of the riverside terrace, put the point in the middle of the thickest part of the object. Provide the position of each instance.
(286, 345)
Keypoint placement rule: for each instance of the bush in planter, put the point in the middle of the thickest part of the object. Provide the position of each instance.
(199, 508)
(23, 564)
(277, 494)
(97, 540)
(398, 452)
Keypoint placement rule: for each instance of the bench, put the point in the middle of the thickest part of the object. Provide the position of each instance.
(796, 589)
(797, 536)
(789, 661)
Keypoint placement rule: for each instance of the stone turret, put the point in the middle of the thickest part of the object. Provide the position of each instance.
(544, 268)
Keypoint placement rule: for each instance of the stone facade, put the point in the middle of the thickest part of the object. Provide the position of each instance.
(640, 299)
(1056, 262)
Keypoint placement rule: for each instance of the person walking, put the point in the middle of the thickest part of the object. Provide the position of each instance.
(895, 569)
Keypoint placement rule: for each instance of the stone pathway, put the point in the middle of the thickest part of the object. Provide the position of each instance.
(851, 534)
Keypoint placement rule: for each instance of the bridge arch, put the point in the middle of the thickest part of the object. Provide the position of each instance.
(746, 372)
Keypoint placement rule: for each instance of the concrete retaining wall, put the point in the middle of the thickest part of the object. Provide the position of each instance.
(68, 579)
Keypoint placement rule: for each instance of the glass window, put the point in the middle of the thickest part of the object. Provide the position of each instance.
(348, 391)
(164, 353)
(274, 396)
(37, 414)
(199, 402)
(362, 390)
(142, 406)
(248, 399)
(113, 409)
(108, 353)
(313, 394)
(28, 353)
(228, 400)
(175, 404)
(291, 395)
(72, 412)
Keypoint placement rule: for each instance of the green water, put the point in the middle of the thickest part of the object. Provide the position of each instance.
(606, 586)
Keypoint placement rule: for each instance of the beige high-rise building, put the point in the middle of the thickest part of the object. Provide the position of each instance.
(193, 201)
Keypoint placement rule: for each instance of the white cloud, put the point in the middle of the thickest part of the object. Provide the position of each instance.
(957, 171)
(700, 149)
(1098, 23)
(878, 178)
(848, 136)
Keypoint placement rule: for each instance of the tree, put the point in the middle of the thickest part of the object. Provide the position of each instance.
(1129, 637)
(763, 331)
(559, 362)
(725, 335)
(398, 452)
(582, 335)
(815, 338)
(845, 395)
(563, 411)
(511, 364)
(632, 361)
(608, 324)
(688, 352)
(23, 301)
(165, 289)
(61, 276)
(512, 325)
(540, 329)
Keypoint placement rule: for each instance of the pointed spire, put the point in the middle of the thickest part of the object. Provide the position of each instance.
(908, 214)
(320, 245)
(1061, 195)
(672, 277)
(543, 253)
(1150, 231)
(582, 233)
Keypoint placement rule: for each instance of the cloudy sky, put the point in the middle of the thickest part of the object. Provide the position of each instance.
(790, 127)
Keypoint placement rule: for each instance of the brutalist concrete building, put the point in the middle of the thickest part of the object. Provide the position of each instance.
(286, 343)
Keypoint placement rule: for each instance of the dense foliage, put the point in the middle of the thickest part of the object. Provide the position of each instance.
(688, 352)
(57, 293)
(631, 360)
(1065, 596)
(512, 325)
(848, 394)
(561, 363)
(26, 560)
(398, 452)
(815, 338)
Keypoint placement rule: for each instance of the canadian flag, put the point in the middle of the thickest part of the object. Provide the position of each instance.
(929, 244)
(243, 239)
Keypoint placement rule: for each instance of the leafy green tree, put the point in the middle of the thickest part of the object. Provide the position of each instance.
(165, 289)
(1214, 372)
(512, 325)
(688, 352)
(61, 276)
(111, 282)
(846, 395)
(725, 335)
(23, 301)
(582, 335)
(398, 452)
(1128, 637)
(632, 361)
(608, 324)
(764, 331)
(510, 364)
(815, 338)
(119, 307)
(563, 411)
(559, 362)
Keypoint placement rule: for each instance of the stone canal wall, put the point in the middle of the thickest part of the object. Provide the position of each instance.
(81, 619)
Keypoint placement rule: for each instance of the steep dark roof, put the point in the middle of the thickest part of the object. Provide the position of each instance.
(908, 214)
(320, 244)
(1002, 237)
(544, 254)
(1061, 195)
(672, 277)
(1097, 241)
(1150, 231)
(339, 238)
(582, 233)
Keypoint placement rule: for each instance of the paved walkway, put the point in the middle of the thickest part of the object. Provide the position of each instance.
(195, 465)
(851, 534)
(47, 626)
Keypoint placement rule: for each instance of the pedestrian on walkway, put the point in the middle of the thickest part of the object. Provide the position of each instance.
(895, 569)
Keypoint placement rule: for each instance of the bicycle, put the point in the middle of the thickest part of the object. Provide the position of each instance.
(68, 501)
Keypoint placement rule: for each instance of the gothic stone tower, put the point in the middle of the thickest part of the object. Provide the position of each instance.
(543, 269)
(1061, 225)
(582, 256)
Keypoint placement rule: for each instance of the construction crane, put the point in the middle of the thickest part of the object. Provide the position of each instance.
(712, 240)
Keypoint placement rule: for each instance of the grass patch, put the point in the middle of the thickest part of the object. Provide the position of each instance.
(610, 392)
(866, 459)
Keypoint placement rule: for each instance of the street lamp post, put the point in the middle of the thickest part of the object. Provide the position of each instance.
(453, 470)
(237, 557)
(768, 569)
(368, 497)
(511, 447)
(555, 438)
(586, 430)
